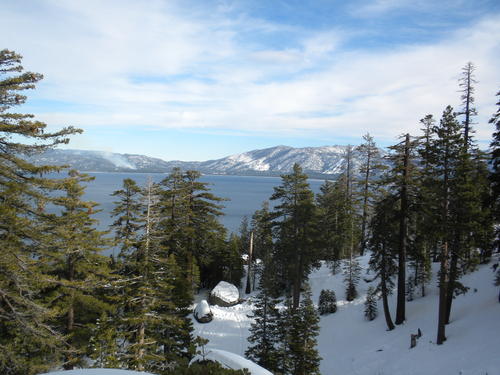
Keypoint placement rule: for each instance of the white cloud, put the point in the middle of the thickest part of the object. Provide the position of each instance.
(157, 64)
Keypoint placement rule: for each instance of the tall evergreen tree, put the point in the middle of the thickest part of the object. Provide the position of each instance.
(495, 166)
(304, 329)
(425, 241)
(264, 331)
(295, 216)
(383, 244)
(153, 330)
(446, 153)
(466, 84)
(370, 166)
(190, 225)
(401, 182)
(72, 262)
(127, 212)
(333, 222)
(27, 343)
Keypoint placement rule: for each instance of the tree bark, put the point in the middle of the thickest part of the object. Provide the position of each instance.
(403, 223)
(443, 271)
(383, 278)
(249, 267)
(365, 206)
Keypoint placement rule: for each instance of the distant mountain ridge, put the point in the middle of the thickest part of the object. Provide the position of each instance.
(316, 161)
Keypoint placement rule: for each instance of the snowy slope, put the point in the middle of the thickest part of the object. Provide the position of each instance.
(280, 159)
(231, 361)
(351, 345)
(327, 160)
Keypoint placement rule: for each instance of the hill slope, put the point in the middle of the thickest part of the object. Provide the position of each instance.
(351, 345)
(316, 161)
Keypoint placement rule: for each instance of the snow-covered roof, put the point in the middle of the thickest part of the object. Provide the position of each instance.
(232, 361)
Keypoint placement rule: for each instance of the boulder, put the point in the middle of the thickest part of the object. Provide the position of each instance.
(224, 294)
(202, 312)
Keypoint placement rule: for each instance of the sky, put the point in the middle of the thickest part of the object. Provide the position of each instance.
(203, 79)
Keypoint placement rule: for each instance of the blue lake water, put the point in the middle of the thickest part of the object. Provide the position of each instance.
(245, 193)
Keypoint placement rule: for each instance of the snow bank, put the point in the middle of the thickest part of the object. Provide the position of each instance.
(232, 361)
(349, 344)
(224, 294)
(202, 312)
(98, 371)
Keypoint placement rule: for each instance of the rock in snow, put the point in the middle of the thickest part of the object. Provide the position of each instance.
(202, 312)
(224, 294)
(232, 361)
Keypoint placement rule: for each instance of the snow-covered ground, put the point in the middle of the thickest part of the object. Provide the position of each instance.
(351, 345)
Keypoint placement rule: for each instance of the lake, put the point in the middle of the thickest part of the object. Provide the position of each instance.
(245, 193)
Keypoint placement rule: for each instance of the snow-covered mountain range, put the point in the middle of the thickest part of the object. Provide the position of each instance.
(327, 160)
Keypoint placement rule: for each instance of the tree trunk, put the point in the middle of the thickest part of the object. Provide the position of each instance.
(297, 284)
(141, 333)
(383, 277)
(443, 271)
(365, 207)
(249, 267)
(403, 223)
(70, 315)
(443, 289)
(451, 283)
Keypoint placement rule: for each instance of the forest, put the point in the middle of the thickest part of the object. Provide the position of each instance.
(433, 197)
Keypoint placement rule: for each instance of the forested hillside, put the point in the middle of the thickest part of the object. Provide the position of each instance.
(420, 215)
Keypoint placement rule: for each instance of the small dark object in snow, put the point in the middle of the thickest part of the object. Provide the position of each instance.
(495, 266)
(419, 333)
(380, 350)
(475, 290)
(413, 340)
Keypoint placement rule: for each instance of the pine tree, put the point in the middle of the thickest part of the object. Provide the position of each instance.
(466, 84)
(383, 243)
(261, 225)
(304, 328)
(447, 148)
(327, 303)
(153, 332)
(371, 165)
(495, 167)
(333, 222)
(352, 271)
(401, 182)
(72, 263)
(27, 343)
(127, 212)
(104, 345)
(295, 216)
(425, 240)
(371, 311)
(264, 331)
(190, 225)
